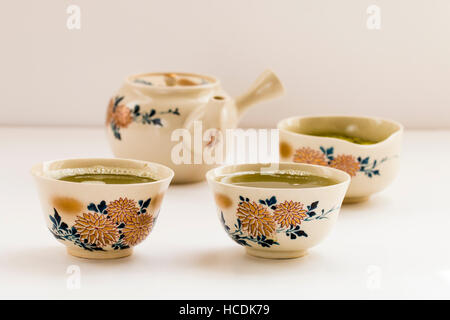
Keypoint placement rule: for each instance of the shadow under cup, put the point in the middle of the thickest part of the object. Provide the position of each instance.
(275, 222)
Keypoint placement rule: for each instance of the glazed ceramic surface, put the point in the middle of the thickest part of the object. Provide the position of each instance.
(100, 221)
(372, 167)
(278, 223)
(143, 114)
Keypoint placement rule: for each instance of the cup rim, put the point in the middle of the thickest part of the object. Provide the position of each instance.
(345, 177)
(400, 128)
(215, 82)
(38, 166)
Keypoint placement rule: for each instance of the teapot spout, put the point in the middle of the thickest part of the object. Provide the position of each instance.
(213, 112)
(209, 114)
(267, 86)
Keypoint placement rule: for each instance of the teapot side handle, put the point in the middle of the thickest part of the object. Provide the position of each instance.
(267, 86)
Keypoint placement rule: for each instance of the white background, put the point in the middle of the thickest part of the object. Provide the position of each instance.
(322, 50)
(395, 246)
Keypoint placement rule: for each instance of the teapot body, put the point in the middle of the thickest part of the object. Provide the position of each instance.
(142, 119)
(156, 117)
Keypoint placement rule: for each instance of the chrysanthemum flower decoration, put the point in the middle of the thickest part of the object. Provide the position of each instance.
(214, 138)
(122, 116)
(96, 229)
(120, 210)
(256, 219)
(344, 162)
(289, 213)
(137, 228)
(119, 115)
(120, 224)
(347, 163)
(309, 155)
(260, 223)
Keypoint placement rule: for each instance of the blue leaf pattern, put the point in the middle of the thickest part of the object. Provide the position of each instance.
(293, 232)
(147, 118)
(363, 164)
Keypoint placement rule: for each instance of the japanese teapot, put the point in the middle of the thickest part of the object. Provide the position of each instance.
(156, 117)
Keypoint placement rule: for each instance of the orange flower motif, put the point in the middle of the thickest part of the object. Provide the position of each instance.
(96, 229)
(311, 156)
(109, 111)
(137, 228)
(214, 138)
(255, 218)
(122, 116)
(121, 209)
(289, 213)
(346, 163)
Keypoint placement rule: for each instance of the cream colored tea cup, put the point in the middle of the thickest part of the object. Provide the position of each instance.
(372, 166)
(274, 222)
(100, 221)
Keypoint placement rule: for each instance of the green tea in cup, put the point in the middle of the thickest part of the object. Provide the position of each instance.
(353, 139)
(107, 178)
(281, 179)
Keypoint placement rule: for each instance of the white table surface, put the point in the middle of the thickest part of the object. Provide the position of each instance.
(394, 246)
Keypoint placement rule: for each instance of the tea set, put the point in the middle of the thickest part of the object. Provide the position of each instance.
(98, 220)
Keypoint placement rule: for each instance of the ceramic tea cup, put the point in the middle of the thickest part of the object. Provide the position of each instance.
(100, 221)
(372, 166)
(278, 223)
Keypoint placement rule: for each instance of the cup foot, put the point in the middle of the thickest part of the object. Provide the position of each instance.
(99, 255)
(355, 199)
(269, 254)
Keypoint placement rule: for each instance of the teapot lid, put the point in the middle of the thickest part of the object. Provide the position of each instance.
(173, 81)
